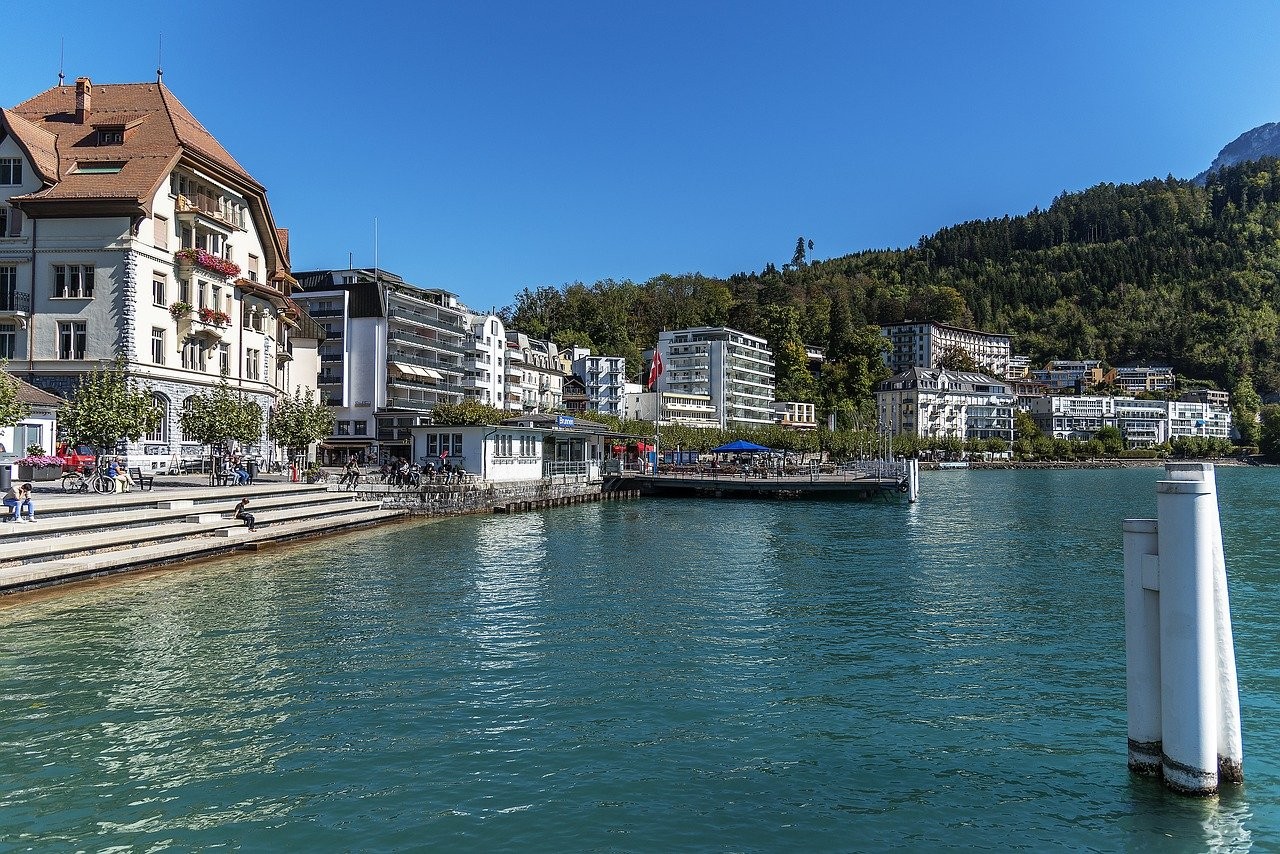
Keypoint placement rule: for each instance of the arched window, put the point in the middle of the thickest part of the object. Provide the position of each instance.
(161, 433)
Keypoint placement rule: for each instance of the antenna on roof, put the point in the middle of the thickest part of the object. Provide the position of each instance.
(160, 60)
(62, 55)
(376, 274)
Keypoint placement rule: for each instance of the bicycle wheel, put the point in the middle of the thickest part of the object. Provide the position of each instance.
(72, 483)
(102, 485)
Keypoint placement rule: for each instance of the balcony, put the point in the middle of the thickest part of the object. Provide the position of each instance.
(206, 208)
(15, 303)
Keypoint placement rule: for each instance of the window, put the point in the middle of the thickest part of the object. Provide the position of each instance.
(186, 407)
(161, 433)
(344, 428)
(216, 302)
(191, 354)
(10, 222)
(10, 171)
(99, 167)
(224, 359)
(110, 137)
(71, 339)
(253, 364)
(73, 281)
(26, 435)
(157, 346)
(161, 232)
(9, 288)
(8, 337)
(360, 428)
(200, 292)
(253, 268)
(158, 289)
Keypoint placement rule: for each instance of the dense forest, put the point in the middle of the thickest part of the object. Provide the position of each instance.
(1164, 271)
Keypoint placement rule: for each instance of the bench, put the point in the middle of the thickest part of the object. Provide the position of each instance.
(144, 481)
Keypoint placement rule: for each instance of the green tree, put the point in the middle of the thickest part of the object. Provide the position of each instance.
(1024, 426)
(108, 405)
(468, 412)
(798, 257)
(1245, 403)
(222, 415)
(1111, 438)
(12, 410)
(1269, 434)
(958, 359)
(299, 419)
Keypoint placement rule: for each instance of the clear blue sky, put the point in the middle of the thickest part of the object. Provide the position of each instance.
(503, 145)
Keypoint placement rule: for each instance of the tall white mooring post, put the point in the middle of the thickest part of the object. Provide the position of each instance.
(1184, 710)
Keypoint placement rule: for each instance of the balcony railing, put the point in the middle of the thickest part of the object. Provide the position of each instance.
(17, 302)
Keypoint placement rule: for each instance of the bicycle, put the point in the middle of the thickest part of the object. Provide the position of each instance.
(75, 482)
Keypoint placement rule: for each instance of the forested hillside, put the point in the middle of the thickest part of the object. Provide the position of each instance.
(1162, 271)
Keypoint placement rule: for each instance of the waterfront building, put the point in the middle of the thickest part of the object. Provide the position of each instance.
(671, 408)
(575, 394)
(1070, 376)
(1019, 368)
(1142, 378)
(534, 380)
(939, 403)
(733, 369)
(604, 378)
(1142, 422)
(127, 231)
(483, 365)
(1211, 396)
(528, 447)
(924, 344)
(392, 352)
(797, 416)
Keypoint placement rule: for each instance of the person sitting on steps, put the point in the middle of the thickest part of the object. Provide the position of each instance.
(18, 496)
(242, 514)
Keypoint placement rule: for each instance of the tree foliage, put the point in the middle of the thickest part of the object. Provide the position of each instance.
(108, 405)
(466, 413)
(12, 410)
(222, 415)
(299, 419)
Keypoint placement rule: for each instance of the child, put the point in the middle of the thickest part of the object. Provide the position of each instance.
(241, 514)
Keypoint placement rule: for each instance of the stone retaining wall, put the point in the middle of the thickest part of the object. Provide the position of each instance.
(434, 499)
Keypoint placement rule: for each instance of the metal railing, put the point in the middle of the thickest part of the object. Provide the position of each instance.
(15, 301)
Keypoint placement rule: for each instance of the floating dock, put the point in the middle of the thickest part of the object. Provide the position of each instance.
(884, 481)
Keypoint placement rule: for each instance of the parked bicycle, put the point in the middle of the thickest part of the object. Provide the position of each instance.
(89, 480)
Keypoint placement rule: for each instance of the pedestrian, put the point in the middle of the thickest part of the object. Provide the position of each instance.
(243, 515)
(16, 497)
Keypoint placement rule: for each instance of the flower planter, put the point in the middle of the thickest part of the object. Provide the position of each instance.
(183, 269)
(42, 473)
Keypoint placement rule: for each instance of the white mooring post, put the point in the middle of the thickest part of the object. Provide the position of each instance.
(913, 479)
(1184, 715)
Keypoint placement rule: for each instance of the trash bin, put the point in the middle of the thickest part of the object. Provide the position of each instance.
(252, 468)
(6, 477)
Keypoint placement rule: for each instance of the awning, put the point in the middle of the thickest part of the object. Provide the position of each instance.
(407, 370)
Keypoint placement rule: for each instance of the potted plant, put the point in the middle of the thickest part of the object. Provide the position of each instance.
(185, 261)
(180, 310)
(311, 472)
(37, 465)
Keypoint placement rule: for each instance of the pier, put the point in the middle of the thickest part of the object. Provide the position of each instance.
(855, 482)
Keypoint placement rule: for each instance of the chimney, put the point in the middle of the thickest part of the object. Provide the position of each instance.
(84, 92)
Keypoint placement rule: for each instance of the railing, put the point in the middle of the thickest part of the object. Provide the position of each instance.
(18, 302)
(564, 468)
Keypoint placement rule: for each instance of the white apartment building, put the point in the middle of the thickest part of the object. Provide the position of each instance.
(734, 369)
(605, 379)
(671, 408)
(937, 403)
(1139, 378)
(127, 230)
(535, 382)
(924, 344)
(393, 351)
(483, 364)
(1069, 375)
(1142, 422)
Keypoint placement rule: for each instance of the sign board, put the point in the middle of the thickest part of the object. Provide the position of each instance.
(564, 420)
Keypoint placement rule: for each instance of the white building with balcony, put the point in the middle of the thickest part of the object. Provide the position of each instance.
(671, 408)
(484, 380)
(534, 379)
(127, 230)
(1143, 423)
(924, 344)
(938, 403)
(393, 351)
(733, 369)
(605, 379)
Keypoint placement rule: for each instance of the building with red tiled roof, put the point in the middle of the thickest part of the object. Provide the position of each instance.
(127, 230)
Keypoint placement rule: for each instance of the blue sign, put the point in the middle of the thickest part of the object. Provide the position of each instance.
(564, 420)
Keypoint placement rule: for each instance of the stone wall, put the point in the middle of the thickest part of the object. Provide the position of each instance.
(433, 499)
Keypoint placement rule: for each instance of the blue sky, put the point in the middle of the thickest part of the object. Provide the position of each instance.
(503, 145)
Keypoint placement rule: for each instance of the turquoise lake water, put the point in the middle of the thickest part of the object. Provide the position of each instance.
(640, 676)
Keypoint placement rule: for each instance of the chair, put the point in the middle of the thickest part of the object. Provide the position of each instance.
(144, 481)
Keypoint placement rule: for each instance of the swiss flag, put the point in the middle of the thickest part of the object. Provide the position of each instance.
(655, 370)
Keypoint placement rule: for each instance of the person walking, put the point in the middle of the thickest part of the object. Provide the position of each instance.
(16, 497)
(241, 512)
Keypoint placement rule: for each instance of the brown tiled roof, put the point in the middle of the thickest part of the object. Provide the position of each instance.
(40, 145)
(164, 129)
(27, 393)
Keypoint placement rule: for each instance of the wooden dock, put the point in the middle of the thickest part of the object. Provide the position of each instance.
(839, 486)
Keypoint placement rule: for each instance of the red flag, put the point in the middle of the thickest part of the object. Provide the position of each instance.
(655, 370)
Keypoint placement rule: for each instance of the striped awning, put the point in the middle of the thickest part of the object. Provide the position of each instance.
(406, 369)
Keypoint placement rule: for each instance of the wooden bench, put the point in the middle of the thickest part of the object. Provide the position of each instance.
(144, 481)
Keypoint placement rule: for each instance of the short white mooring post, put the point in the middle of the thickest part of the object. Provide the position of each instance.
(1184, 714)
(913, 479)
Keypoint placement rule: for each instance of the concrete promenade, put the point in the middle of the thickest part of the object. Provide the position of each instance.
(182, 518)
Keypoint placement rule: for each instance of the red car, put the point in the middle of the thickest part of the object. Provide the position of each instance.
(76, 457)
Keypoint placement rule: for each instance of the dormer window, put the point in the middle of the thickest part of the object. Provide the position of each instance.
(99, 168)
(111, 137)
